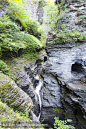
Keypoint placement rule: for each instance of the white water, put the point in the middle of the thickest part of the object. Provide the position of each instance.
(37, 90)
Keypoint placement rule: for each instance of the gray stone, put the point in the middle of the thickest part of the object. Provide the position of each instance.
(13, 95)
(64, 73)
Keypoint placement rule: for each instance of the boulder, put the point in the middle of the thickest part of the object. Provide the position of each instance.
(13, 95)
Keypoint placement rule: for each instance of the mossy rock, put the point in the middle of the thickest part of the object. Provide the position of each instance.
(11, 119)
(13, 95)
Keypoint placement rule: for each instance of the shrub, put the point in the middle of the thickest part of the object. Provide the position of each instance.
(52, 14)
(32, 28)
(12, 39)
(3, 67)
(19, 14)
(69, 36)
(32, 42)
(60, 124)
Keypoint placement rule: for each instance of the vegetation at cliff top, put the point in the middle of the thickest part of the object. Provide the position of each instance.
(19, 33)
(56, 13)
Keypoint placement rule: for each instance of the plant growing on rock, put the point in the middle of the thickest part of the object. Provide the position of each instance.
(18, 13)
(60, 124)
(52, 13)
(3, 67)
(12, 39)
(69, 36)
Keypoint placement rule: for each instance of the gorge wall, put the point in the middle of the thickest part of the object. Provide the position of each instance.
(64, 83)
(65, 73)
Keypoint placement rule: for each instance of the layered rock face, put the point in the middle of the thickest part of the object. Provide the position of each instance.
(24, 73)
(65, 72)
(66, 1)
(64, 82)
(13, 95)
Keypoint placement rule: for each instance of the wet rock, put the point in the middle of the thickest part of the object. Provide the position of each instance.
(24, 73)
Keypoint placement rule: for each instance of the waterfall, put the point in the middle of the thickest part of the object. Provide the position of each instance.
(37, 90)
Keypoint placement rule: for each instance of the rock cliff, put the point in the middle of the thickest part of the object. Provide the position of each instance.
(65, 73)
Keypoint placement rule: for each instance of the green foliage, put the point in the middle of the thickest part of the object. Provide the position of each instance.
(14, 28)
(32, 42)
(60, 124)
(12, 39)
(30, 55)
(32, 28)
(3, 67)
(67, 35)
(70, 36)
(19, 14)
(52, 14)
(56, 109)
(55, 18)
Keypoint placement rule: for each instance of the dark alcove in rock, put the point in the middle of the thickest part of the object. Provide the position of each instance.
(77, 67)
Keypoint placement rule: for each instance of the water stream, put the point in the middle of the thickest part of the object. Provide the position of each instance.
(37, 90)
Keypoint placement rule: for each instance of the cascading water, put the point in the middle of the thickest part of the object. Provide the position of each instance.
(37, 90)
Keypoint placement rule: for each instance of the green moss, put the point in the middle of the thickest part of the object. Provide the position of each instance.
(56, 109)
(4, 89)
(8, 115)
(30, 56)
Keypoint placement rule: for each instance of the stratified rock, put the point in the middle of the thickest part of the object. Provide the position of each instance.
(24, 73)
(66, 1)
(74, 102)
(65, 66)
(13, 95)
(10, 119)
(63, 88)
